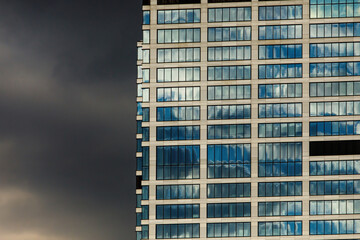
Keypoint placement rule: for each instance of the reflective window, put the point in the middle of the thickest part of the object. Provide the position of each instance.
(229, 131)
(178, 16)
(177, 133)
(229, 92)
(336, 69)
(275, 130)
(280, 12)
(146, 17)
(344, 167)
(177, 231)
(146, 36)
(280, 159)
(334, 30)
(182, 74)
(167, 192)
(343, 187)
(239, 111)
(228, 190)
(145, 134)
(320, 109)
(229, 73)
(164, 114)
(280, 51)
(180, 35)
(277, 189)
(330, 89)
(145, 163)
(280, 110)
(226, 210)
(146, 55)
(178, 162)
(332, 227)
(334, 9)
(335, 128)
(145, 192)
(146, 115)
(229, 53)
(334, 207)
(284, 90)
(145, 212)
(229, 14)
(280, 32)
(287, 228)
(222, 230)
(325, 50)
(229, 161)
(177, 211)
(173, 55)
(224, 34)
(269, 71)
(145, 232)
(178, 94)
(146, 75)
(269, 209)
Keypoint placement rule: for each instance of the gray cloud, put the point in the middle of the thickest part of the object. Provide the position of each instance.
(67, 110)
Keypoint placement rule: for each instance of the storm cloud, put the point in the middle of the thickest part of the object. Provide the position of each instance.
(67, 111)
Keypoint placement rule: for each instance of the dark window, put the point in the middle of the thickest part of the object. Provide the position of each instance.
(164, 2)
(323, 148)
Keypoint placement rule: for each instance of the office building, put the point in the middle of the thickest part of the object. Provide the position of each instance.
(248, 120)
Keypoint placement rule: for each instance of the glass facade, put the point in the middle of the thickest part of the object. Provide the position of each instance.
(248, 120)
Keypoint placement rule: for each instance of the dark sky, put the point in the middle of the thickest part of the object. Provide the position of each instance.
(67, 119)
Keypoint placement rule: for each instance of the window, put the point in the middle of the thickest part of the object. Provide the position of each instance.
(332, 227)
(146, 114)
(178, 94)
(229, 112)
(344, 167)
(330, 89)
(330, 148)
(227, 210)
(320, 109)
(284, 90)
(145, 192)
(343, 187)
(146, 75)
(326, 50)
(280, 51)
(146, 36)
(277, 189)
(182, 74)
(139, 109)
(280, 32)
(145, 163)
(177, 133)
(146, 17)
(335, 9)
(145, 212)
(334, 207)
(239, 14)
(229, 161)
(138, 219)
(280, 159)
(228, 190)
(336, 69)
(269, 71)
(229, 73)
(224, 34)
(177, 231)
(275, 130)
(177, 211)
(284, 228)
(229, 53)
(168, 192)
(164, 114)
(180, 35)
(270, 209)
(280, 12)
(229, 92)
(146, 56)
(145, 134)
(334, 30)
(178, 16)
(227, 131)
(334, 128)
(222, 230)
(145, 232)
(174, 55)
(280, 110)
(178, 162)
